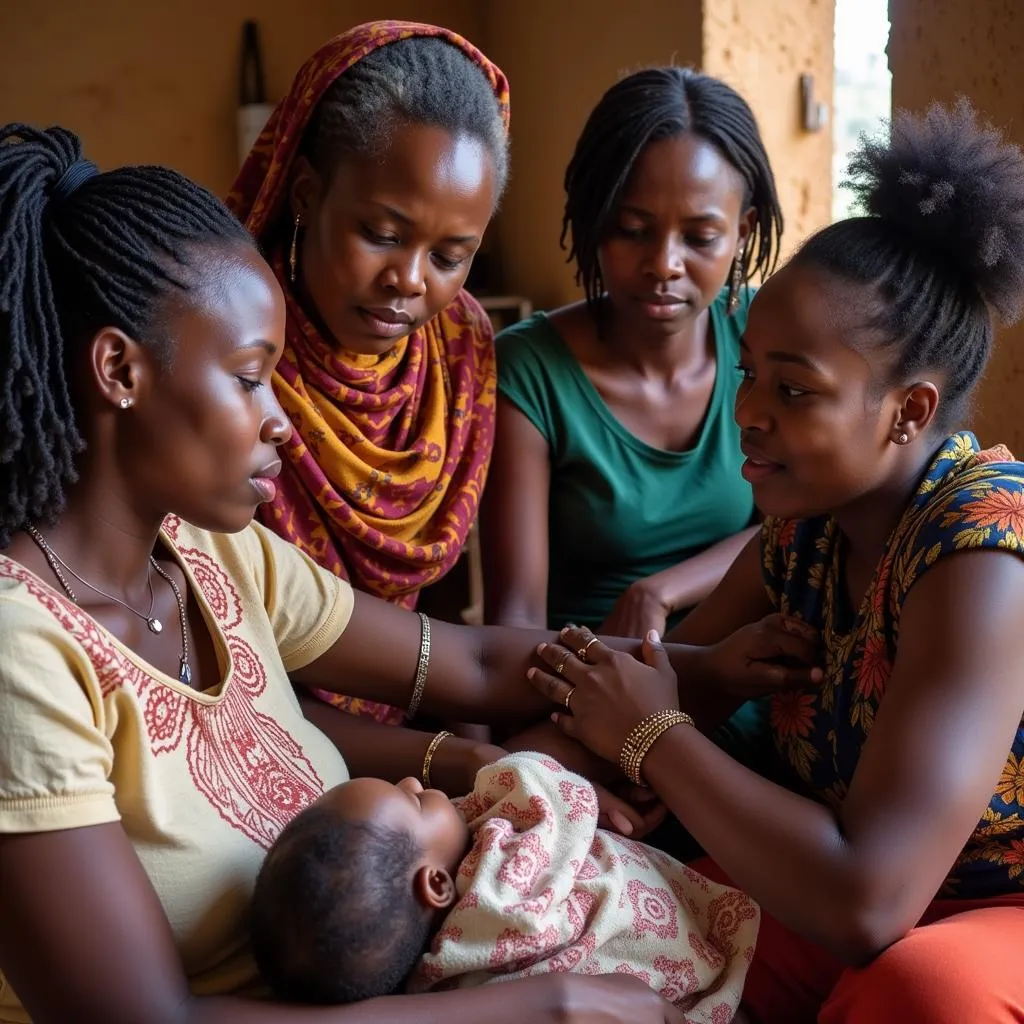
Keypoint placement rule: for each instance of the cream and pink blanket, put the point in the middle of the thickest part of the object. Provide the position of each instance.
(543, 889)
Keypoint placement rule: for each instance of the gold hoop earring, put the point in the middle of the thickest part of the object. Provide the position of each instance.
(293, 254)
(736, 281)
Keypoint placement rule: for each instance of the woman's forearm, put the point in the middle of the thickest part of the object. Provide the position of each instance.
(369, 748)
(790, 854)
(541, 1002)
(702, 694)
(687, 584)
(392, 753)
(474, 673)
(499, 690)
(546, 737)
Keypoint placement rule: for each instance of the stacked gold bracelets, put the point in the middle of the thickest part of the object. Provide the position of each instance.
(644, 736)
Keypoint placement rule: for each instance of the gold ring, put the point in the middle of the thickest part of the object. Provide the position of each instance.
(582, 652)
(568, 697)
(560, 667)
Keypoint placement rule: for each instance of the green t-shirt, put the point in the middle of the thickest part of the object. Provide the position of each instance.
(620, 509)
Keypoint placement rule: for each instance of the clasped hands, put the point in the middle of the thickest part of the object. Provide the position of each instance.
(605, 693)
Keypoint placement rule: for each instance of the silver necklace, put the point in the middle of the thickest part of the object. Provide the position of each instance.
(57, 564)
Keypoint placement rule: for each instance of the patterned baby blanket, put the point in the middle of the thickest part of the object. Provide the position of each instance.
(544, 889)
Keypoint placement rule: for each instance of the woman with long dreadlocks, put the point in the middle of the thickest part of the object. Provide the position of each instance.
(151, 744)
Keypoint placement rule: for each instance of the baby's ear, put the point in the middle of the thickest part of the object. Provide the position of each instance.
(434, 887)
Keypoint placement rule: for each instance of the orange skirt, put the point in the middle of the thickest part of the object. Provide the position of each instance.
(963, 964)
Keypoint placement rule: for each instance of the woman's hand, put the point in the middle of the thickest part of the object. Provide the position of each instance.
(456, 761)
(759, 659)
(607, 694)
(546, 738)
(632, 811)
(639, 609)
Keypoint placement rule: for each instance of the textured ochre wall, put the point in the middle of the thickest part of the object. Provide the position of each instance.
(146, 82)
(158, 83)
(942, 48)
(761, 49)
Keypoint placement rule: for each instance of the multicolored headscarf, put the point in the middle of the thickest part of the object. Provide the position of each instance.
(386, 465)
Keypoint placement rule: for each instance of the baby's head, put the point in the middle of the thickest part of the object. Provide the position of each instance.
(348, 896)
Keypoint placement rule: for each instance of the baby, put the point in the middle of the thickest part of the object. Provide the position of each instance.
(380, 887)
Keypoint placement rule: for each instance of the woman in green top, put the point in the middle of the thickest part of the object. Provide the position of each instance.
(615, 498)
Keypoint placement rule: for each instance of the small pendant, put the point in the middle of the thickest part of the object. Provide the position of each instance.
(184, 673)
(155, 625)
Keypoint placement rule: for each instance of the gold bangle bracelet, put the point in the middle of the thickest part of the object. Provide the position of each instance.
(422, 664)
(429, 755)
(644, 736)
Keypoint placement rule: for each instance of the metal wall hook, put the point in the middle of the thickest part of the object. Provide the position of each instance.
(814, 114)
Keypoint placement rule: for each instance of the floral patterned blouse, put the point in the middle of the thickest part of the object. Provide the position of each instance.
(968, 498)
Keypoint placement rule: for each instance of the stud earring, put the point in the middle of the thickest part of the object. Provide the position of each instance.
(293, 254)
(736, 281)
(903, 438)
(127, 403)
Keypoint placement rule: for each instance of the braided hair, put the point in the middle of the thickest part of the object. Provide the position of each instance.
(646, 107)
(104, 255)
(421, 80)
(941, 251)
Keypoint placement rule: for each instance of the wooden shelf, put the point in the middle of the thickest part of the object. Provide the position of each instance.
(505, 310)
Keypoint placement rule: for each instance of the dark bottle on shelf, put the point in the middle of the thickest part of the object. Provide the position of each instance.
(253, 109)
(250, 86)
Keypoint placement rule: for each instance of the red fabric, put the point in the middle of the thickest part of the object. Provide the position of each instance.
(963, 964)
(388, 455)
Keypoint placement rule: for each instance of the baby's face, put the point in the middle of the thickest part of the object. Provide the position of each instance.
(426, 814)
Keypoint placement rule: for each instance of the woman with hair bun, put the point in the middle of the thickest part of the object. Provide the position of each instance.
(889, 859)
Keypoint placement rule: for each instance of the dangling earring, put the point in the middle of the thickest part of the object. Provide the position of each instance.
(736, 281)
(293, 255)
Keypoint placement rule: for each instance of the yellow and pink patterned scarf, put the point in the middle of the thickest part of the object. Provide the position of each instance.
(386, 465)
